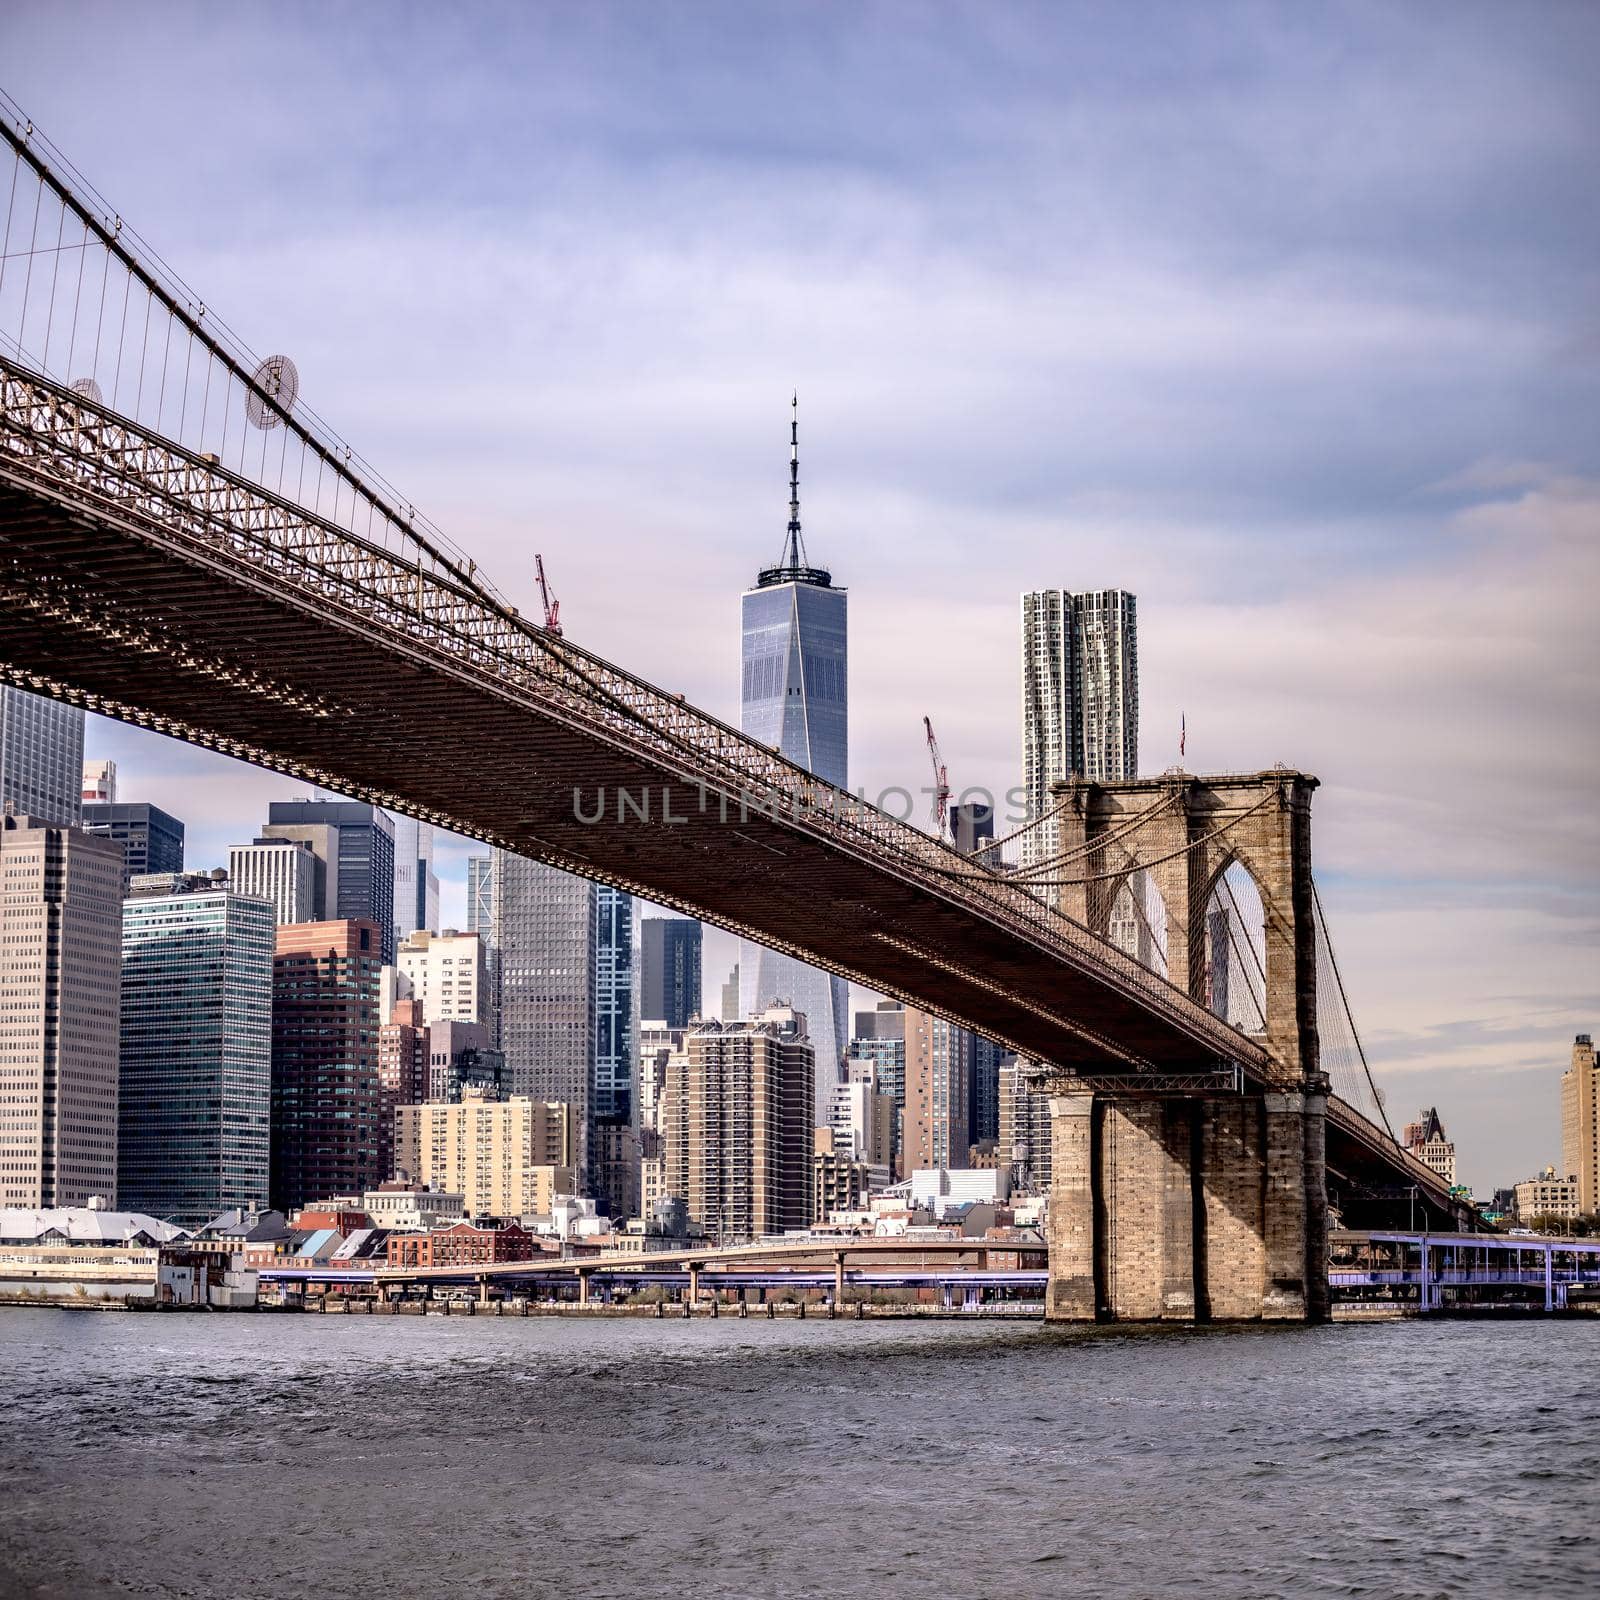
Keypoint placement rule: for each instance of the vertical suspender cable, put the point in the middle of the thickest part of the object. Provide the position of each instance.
(77, 295)
(55, 274)
(5, 249)
(27, 277)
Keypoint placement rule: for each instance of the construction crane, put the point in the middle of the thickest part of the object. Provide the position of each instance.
(552, 606)
(941, 782)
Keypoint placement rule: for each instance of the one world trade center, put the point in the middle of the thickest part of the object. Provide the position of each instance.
(793, 695)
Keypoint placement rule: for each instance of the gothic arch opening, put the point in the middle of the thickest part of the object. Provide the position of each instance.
(1235, 973)
(1137, 924)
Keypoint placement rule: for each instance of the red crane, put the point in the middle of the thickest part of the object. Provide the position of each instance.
(552, 606)
(941, 782)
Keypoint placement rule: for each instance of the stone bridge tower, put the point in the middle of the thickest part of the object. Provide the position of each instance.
(1168, 1202)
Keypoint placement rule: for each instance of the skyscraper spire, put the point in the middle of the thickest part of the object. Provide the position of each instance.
(794, 548)
(792, 566)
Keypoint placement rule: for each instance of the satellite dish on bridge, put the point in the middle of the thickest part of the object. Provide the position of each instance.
(275, 379)
(89, 389)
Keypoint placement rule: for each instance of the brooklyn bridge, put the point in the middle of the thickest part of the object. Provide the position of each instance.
(186, 546)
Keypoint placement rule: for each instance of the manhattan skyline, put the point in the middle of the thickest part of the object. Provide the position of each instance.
(1345, 469)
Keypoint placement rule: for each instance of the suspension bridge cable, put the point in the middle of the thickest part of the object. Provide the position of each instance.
(1344, 999)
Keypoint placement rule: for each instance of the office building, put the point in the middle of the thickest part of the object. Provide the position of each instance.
(1023, 1141)
(1080, 694)
(983, 1101)
(416, 886)
(60, 1004)
(282, 871)
(545, 926)
(879, 1040)
(151, 839)
(99, 783)
(794, 696)
(669, 979)
(480, 895)
(613, 1003)
(508, 1158)
(41, 758)
(1580, 1123)
(352, 844)
(1425, 1139)
(403, 1072)
(728, 1010)
(1547, 1196)
(736, 1125)
(195, 1104)
(939, 1058)
(971, 826)
(325, 1101)
(461, 1056)
(447, 973)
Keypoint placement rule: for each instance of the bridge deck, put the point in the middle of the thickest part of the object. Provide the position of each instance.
(146, 583)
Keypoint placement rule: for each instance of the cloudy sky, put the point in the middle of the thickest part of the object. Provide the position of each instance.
(1285, 318)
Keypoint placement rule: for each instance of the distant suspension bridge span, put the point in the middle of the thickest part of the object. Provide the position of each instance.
(186, 546)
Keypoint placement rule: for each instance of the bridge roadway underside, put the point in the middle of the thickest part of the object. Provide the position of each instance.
(104, 609)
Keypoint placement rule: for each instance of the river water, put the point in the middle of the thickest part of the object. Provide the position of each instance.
(302, 1456)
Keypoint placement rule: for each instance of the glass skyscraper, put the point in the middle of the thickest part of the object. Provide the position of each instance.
(416, 887)
(353, 843)
(794, 694)
(194, 1108)
(41, 758)
(613, 1003)
(545, 927)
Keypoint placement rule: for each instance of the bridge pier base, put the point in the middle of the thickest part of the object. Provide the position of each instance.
(1188, 1209)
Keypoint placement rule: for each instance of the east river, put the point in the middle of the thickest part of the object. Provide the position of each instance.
(302, 1456)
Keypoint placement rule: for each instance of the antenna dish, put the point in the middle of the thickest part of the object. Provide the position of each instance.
(89, 389)
(275, 379)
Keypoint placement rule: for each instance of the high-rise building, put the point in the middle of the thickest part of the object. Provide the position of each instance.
(509, 1158)
(325, 1101)
(728, 1011)
(938, 1090)
(1080, 693)
(151, 839)
(60, 1001)
(545, 924)
(971, 826)
(416, 886)
(448, 974)
(99, 783)
(983, 1102)
(461, 1056)
(737, 1125)
(195, 1105)
(613, 1004)
(863, 1117)
(480, 895)
(794, 695)
(880, 1041)
(353, 846)
(1024, 1138)
(41, 758)
(283, 871)
(669, 982)
(1425, 1139)
(403, 1072)
(1580, 1123)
